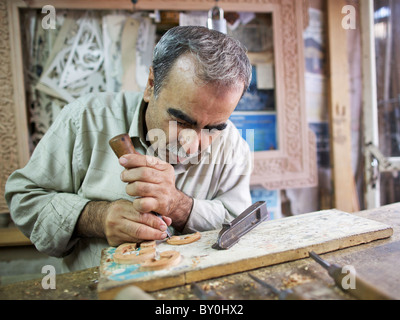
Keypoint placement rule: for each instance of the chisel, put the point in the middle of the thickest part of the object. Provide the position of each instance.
(122, 145)
(282, 294)
(362, 289)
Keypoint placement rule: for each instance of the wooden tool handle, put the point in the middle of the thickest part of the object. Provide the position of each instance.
(121, 145)
(363, 290)
(366, 291)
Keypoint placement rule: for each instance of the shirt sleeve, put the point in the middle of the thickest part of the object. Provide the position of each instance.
(42, 196)
(232, 198)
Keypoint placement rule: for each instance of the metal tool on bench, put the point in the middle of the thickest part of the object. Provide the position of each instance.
(282, 294)
(248, 220)
(122, 145)
(363, 290)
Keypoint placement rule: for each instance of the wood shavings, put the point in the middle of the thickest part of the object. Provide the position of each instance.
(211, 285)
(196, 261)
(295, 279)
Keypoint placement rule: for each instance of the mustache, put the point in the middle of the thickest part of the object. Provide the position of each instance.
(179, 151)
(174, 149)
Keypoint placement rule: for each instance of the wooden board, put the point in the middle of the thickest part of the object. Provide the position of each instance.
(13, 237)
(270, 243)
(345, 193)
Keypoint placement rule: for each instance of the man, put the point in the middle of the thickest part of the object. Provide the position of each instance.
(72, 199)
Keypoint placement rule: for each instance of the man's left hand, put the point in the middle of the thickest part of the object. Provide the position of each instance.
(153, 182)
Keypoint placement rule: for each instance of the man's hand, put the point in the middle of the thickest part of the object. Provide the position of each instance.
(123, 223)
(153, 181)
(119, 222)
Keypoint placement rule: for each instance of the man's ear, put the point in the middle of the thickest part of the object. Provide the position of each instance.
(149, 90)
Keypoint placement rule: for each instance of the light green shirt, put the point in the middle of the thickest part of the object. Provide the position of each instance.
(73, 164)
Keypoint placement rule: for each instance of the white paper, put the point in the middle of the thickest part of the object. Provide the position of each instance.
(265, 76)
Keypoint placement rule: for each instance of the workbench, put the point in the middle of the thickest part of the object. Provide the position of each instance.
(377, 261)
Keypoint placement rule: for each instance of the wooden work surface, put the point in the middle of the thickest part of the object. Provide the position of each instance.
(270, 243)
(377, 261)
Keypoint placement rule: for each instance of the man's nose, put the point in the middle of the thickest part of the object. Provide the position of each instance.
(189, 140)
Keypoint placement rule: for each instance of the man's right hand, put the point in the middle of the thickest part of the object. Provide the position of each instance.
(120, 222)
(125, 223)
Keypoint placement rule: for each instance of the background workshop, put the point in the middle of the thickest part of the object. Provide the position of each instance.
(323, 108)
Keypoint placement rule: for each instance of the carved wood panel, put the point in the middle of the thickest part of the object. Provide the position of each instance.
(8, 131)
(294, 165)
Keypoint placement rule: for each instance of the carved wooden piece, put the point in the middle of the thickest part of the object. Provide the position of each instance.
(128, 254)
(125, 247)
(148, 244)
(14, 146)
(146, 254)
(167, 259)
(181, 240)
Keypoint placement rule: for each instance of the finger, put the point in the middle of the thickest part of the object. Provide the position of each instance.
(143, 189)
(139, 231)
(144, 174)
(148, 219)
(126, 224)
(150, 204)
(133, 160)
(167, 220)
(139, 160)
(145, 204)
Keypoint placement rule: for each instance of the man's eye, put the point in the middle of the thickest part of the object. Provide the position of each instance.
(211, 132)
(181, 124)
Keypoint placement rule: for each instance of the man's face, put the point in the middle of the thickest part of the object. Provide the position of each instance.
(187, 114)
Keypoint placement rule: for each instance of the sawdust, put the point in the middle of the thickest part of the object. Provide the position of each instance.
(196, 260)
(211, 285)
(295, 279)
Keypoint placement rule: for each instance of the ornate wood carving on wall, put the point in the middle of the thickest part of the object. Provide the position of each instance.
(294, 165)
(8, 130)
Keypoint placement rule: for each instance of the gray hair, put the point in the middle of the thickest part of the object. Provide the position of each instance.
(221, 59)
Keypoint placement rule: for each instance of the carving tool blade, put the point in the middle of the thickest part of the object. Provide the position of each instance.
(282, 294)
